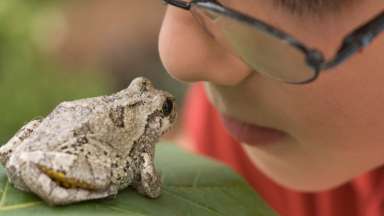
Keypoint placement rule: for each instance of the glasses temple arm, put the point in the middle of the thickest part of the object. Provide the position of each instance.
(357, 40)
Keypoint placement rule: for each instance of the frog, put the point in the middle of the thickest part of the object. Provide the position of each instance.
(92, 148)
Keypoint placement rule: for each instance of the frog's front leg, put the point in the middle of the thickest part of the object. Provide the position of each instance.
(60, 178)
(150, 182)
(7, 149)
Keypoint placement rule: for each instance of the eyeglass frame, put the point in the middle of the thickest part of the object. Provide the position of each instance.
(353, 42)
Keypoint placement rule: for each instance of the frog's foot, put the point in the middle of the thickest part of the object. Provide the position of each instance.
(49, 175)
(55, 194)
(150, 182)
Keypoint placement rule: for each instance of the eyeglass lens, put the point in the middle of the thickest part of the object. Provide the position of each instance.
(263, 52)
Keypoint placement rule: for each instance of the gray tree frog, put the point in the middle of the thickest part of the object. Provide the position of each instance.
(92, 148)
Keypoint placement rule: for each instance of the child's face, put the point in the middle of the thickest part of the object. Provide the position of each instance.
(334, 126)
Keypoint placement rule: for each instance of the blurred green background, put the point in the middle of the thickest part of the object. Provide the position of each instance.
(54, 50)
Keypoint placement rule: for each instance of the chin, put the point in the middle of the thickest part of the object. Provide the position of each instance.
(296, 175)
(309, 185)
(306, 182)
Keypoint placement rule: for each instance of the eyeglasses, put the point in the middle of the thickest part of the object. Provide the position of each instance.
(273, 52)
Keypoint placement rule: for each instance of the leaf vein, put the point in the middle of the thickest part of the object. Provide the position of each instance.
(4, 194)
(204, 186)
(19, 206)
(193, 202)
(114, 208)
(196, 179)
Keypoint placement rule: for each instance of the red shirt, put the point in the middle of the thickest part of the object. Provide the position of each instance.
(361, 196)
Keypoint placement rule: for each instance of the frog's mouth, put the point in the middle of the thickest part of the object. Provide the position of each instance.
(170, 124)
(167, 130)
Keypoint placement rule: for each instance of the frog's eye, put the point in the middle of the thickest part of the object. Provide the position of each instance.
(167, 107)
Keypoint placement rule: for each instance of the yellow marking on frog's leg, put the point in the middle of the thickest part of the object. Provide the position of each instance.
(46, 188)
(67, 182)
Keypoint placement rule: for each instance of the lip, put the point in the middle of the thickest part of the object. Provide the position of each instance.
(251, 134)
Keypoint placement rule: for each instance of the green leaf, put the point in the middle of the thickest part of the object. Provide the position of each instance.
(193, 185)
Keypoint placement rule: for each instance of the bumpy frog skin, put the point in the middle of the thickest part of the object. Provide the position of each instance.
(92, 148)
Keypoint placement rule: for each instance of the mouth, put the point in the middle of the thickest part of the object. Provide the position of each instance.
(172, 122)
(251, 134)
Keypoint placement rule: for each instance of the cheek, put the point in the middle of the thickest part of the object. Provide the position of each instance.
(336, 124)
(339, 117)
(348, 101)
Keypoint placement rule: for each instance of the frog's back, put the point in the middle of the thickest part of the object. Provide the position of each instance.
(60, 125)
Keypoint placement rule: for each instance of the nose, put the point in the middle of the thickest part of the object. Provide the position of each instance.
(190, 54)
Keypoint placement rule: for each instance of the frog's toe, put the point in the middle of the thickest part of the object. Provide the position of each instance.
(62, 196)
(150, 189)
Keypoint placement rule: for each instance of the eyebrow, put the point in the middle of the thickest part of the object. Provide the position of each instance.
(312, 7)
